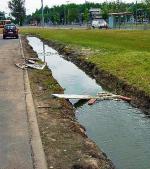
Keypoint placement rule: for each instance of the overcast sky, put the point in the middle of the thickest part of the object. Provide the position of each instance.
(32, 5)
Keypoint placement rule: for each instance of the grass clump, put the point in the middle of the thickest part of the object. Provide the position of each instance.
(125, 54)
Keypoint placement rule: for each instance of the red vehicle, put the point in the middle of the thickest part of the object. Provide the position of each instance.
(4, 22)
(10, 30)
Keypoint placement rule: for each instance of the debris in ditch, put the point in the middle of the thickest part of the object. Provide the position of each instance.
(73, 96)
(34, 59)
(128, 99)
(21, 65)
(31, 63)
(36, 66)
(92, 99)
(110, 96)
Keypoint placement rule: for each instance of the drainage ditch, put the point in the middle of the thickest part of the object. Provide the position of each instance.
(120, 130)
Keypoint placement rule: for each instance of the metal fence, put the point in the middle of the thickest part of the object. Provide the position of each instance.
(133, 26)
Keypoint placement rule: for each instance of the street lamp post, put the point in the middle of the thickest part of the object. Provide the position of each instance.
(42, 13)
(67, 18)
(136, 13)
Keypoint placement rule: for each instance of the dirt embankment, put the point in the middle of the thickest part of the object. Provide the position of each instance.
(140, 99)
(65, 142)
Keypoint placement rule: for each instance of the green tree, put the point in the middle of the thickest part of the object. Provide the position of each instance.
(18, 11)
(86, 15)
(79, 13)
(147, 2)
(73, 15)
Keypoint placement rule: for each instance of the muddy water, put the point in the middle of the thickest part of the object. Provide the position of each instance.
(121, 131)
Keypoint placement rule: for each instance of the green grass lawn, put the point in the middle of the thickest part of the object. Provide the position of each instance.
(125, 54)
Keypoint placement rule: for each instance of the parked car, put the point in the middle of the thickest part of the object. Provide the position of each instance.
(99, 23)
(10, 30)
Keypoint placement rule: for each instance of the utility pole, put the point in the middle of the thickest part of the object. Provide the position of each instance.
(64, 19)
(136, 13)
(42, 8)
(67, 12)
(118, 6)
(86, 12)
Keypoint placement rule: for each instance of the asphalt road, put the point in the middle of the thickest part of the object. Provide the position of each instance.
(15, 148)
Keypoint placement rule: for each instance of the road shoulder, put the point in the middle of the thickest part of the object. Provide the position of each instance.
(38, 155)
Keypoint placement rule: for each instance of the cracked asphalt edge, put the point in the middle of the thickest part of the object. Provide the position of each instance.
(38, 155)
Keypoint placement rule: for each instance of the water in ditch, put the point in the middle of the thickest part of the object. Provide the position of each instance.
(121, 131)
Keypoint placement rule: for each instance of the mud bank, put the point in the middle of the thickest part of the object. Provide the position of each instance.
(140, 99)
(65, 142)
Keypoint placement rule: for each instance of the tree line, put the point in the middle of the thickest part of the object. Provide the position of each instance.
(79, 13)
(17, 12)
(75, 13)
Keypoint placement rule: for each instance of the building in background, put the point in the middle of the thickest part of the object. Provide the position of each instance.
(95, 13)
(121, 18)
